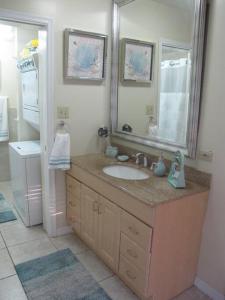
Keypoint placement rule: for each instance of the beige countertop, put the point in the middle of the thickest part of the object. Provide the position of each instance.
(153, 191)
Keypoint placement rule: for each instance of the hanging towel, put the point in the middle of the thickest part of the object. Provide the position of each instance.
(60, 156)
(4, 127)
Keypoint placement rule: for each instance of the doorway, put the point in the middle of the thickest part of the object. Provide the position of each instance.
(27, 186)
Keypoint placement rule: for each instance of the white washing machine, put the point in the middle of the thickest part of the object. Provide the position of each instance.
(25, 167)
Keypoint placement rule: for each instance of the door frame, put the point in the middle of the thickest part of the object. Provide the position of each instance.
(47, 127)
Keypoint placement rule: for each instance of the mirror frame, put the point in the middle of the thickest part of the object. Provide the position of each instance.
(196, 83)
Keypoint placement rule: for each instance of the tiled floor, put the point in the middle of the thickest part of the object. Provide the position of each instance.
(19, 244)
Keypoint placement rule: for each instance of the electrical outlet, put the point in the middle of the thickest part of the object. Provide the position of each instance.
(205, 155)
(63, 112)
(149, 110)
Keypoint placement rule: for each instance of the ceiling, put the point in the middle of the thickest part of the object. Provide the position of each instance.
(183, 4)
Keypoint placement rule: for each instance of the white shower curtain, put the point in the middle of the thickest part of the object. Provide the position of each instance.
(174, 100)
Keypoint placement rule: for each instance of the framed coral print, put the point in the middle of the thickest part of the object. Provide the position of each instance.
(137, 61)
(84, 55)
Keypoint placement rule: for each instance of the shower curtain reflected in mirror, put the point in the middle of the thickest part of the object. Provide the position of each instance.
(174, 96)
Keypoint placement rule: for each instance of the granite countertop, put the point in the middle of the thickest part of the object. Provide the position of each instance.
(153, 191)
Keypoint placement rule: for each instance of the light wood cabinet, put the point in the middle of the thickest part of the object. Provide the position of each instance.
(89, 216)
(109, 232)
(73, 209)
(100, 226)
(154, 250)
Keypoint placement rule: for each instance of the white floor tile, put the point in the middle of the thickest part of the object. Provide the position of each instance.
(94, 265)
(69, 241)
(30, 250)
(17, 234)
(117, 290)
(2, 244)
(11, 289)
(6, 266)
(6, 190)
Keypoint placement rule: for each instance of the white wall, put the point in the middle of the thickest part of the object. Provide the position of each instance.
(25, 33)
(89, 108)
(9, 88)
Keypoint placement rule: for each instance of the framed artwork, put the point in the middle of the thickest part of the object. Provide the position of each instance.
(137, 61)
(84, 55)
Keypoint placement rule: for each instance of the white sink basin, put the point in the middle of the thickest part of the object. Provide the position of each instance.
(125, 172)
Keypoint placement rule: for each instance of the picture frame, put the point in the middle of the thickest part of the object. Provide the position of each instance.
(84, 55)
(137, 61)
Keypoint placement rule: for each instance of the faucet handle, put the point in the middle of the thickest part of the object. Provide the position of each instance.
(137, 155)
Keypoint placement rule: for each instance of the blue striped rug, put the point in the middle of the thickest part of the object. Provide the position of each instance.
(6, 213)
(58, 276)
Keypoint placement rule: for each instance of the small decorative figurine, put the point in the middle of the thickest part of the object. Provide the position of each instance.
(159, 168)
(176, 176)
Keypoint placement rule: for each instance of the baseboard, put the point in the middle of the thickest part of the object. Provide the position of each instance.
(208, 290)
(63, 230)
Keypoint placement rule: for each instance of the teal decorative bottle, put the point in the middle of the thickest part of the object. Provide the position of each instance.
(176, 176)
(159, 168)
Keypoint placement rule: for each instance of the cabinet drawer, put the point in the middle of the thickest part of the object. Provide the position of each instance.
(73, 204)
(134, 253)
(136, 231)
(134, 277)
(73, 186)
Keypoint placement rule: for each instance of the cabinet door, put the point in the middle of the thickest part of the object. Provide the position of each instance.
(73, 192)
(109, 232)
(89, 216)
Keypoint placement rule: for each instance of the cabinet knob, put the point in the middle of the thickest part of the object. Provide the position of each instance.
(72, 204)
(133, 230)
(130, 275)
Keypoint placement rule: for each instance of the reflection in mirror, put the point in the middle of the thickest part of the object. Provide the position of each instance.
(153, 82)
(174, 96)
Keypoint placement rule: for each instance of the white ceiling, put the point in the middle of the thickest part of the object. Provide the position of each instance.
(183, 4)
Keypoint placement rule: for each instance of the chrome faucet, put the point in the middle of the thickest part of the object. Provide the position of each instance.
(138, 161)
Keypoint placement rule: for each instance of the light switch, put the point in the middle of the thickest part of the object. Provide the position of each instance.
(205, 155)
(63, 112)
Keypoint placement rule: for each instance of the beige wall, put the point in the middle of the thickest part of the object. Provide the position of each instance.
(89, 108)
(212, 134)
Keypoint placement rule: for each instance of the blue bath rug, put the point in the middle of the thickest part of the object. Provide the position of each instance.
(6, 213)
(58, 276)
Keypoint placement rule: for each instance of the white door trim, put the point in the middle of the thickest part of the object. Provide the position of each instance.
(48, 125)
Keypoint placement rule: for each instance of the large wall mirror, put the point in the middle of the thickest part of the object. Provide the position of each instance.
(157, 71)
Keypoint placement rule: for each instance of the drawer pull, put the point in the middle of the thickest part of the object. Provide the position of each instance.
(130, 275)
(132, 253)
(95, 206)
(70, 186)
(133, 230)
(72, 204)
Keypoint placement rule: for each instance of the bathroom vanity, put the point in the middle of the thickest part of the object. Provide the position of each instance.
(147, 232)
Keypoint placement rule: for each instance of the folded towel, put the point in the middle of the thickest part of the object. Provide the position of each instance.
(4, 127)
(60, 156)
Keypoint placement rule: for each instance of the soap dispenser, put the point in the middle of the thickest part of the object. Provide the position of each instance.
(159, 168)
(176, 176)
